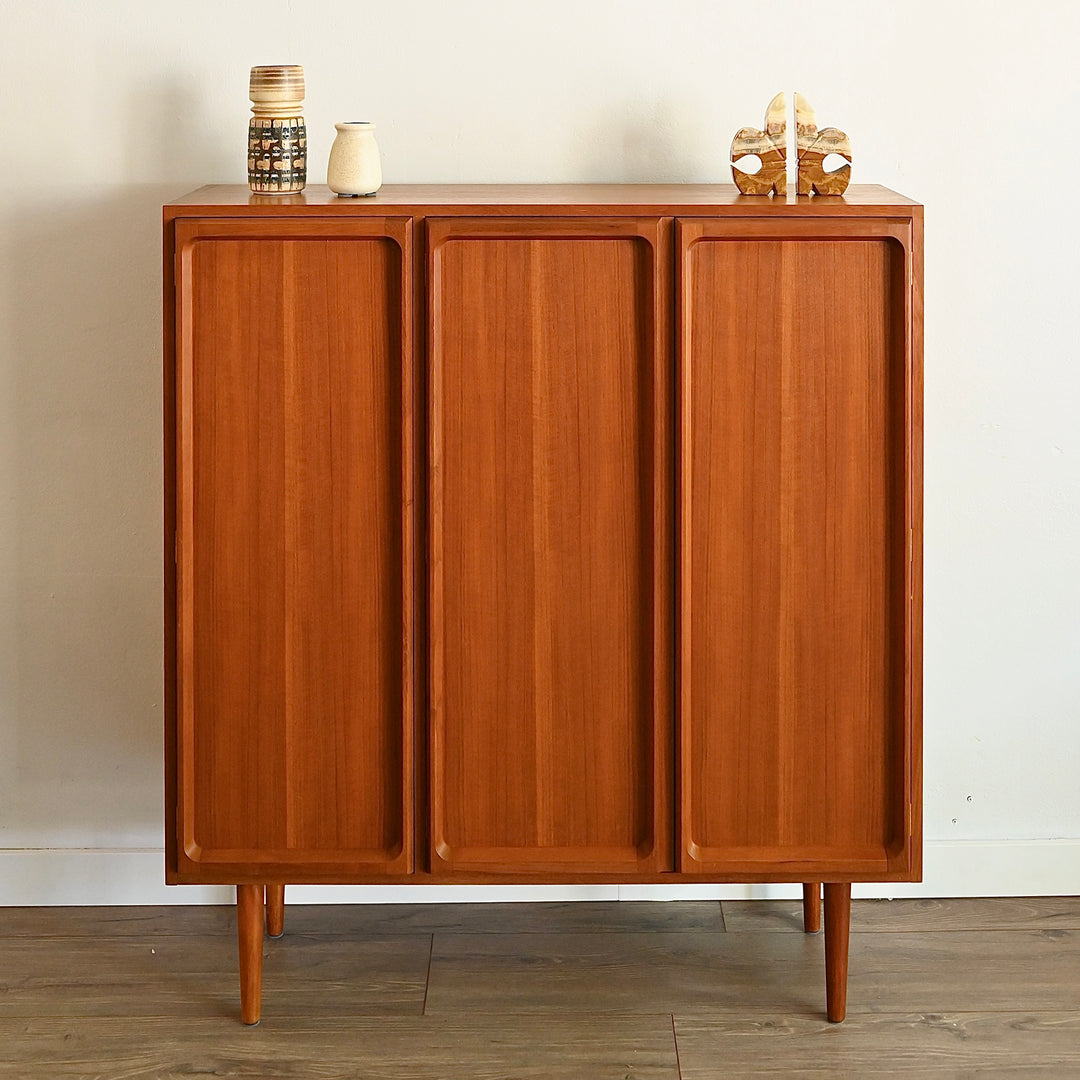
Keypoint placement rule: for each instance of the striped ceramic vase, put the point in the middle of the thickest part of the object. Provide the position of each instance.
(277, 136)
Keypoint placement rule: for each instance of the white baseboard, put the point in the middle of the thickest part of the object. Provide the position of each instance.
(99, 876)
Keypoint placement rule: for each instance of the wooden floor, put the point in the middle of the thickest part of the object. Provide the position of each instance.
(957, 988)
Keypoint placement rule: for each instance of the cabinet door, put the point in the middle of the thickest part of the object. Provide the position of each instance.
(799, 632)
(293, 546)
(551, 535)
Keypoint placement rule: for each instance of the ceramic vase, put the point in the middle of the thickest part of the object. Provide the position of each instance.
(277, 135)
(354, 167)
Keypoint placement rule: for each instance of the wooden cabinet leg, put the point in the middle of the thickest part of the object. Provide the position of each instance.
(249, 923)
(811, 906)
(275, 910)
(837, 935)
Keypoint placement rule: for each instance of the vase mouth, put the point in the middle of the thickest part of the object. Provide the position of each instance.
(354, 124)
(272, 83)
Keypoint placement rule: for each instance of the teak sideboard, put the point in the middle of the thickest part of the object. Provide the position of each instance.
(543, 534)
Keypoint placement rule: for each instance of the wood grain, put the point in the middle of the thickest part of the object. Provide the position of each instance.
(391, 1048)
(813, 178)
(996, 1045)
(295, 610)
(813, 146)
(837, 938)
(1002, 1045)
(269, 225)
(913, 581)
(641, 917)
(795, 626)
(249, 922)
(169, 433)
(99, 1002)
(811, 906)
(923, 915)
(557, 200)
(119, 921)
(551, 502)
(164, 976)
(949, 972)
(752, 972)
(275, 910)
(971, 914)
(769, 146)
(616, 973)
(354, 920)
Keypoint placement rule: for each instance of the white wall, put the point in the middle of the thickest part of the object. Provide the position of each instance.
(112, 107)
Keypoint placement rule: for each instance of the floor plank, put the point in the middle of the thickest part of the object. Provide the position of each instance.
(617, 973)
(880, 1047)
(951, 971)
(150, 921)
(603, 916)
(423, 1048)
(899, 916)
(752, 972)
(302, 975)
(998, 913)
(523, 918)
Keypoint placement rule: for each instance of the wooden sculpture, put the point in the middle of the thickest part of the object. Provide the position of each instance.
(770, 146)
(813, 147)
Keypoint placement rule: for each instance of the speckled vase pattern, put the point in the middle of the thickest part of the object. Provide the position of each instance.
(355, 167)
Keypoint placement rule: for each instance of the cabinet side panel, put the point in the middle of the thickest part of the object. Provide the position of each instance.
(544, 619)
(797, 552)
(296, 565)
(168, 402)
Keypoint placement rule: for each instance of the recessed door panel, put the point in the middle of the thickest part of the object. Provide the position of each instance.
(551, 500)
(795, 546)
(293, 547)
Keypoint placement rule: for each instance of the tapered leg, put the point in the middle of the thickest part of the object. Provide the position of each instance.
(249, 922)
(837, 934)
(275, 910)
(811, 906)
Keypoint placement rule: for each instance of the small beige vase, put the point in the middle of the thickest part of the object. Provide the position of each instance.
(354, 167)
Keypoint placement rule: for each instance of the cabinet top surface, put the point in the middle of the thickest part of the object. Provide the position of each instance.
(237, 200)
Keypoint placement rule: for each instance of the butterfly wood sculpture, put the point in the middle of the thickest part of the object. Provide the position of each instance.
(770, 146)
(813, 146)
